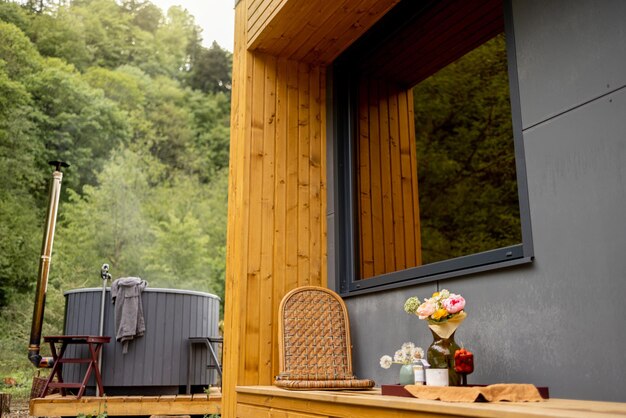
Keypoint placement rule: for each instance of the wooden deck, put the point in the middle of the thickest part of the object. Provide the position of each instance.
(269, 401)
(56, 405)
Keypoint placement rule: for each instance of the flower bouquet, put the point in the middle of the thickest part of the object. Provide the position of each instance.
(408, 354)
(444, 312)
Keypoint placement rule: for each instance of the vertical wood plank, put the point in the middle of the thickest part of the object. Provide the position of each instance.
(414, 189)
(364, 192)
(399, 226)
(236, 234)
(387, 238)
(315, 157)
(407, 179)
(323, 188)
(375, 179)
(266, 318)
(292, 176)
(280, 200)
(255, 238)
(303, 175)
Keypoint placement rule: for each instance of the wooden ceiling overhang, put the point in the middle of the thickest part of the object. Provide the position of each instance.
(312, 31)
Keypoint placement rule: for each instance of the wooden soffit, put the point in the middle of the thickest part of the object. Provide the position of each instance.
(314, 31)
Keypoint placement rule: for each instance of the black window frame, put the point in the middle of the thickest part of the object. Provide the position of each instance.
(342, 92)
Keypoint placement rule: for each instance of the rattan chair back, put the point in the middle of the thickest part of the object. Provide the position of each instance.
(314, 341)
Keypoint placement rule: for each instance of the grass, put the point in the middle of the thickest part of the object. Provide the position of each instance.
(16, 371)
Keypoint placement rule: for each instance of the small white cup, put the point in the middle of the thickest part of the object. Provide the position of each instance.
(437, 377)
(418, 372)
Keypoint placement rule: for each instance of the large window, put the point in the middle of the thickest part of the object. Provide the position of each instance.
(430, 175)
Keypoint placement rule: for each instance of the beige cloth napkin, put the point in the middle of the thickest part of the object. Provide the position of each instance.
(494, 393)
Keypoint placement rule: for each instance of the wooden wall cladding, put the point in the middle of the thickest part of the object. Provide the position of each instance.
(277, 204)
(411, 54)
(389, 227)
(313, 31)
(260, 12)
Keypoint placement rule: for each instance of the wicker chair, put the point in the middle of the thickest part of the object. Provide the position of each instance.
(314, 342)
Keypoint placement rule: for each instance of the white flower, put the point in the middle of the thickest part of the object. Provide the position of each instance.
(418, 353)
(385, 362)
(444, 294)
(408, 348)
(407, 354)
(399, 356)
(411, 304)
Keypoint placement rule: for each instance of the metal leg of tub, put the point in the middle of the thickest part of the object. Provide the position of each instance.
(208, 342)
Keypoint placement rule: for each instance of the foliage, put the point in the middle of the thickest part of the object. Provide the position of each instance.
(466, 163)
(211, 72)
(118, 90)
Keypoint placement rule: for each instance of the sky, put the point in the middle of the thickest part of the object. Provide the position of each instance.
(215, 17)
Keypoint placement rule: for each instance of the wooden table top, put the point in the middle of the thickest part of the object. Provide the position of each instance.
(271, 396)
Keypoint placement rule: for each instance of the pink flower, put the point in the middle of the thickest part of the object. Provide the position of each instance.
(454, 303)
(426, 309)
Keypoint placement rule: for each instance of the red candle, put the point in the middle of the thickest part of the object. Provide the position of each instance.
(463, 361)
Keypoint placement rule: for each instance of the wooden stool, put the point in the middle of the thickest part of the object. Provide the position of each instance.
(94, 344)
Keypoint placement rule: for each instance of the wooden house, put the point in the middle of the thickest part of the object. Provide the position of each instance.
(324, 187)
(332, 184)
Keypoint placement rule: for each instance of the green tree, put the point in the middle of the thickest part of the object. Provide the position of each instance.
(176, 40)
(17, 54)
(22, 179)
(189, 226)
(146, 15)
(76, 123)
(109, 35)
(107, 223)
(211, 70)
(211, 143)
(13, 13)
(61, 34)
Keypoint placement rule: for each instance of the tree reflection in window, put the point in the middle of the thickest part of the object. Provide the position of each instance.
(468, 200)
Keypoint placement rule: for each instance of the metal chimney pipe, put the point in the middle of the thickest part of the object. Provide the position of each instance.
(105, 276)
(44, 268)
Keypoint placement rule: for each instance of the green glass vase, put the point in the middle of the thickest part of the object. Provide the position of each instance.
(440, 355)
(406, 375)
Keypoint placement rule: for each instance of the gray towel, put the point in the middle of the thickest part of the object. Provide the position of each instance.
(129, 322)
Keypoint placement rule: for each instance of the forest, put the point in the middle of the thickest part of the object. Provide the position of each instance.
(128, 96)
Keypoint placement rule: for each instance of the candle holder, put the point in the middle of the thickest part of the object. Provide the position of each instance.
(463, 364)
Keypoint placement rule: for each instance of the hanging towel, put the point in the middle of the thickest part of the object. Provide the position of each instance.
(129, 322)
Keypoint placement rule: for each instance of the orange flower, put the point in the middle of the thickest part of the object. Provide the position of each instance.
(440, 313)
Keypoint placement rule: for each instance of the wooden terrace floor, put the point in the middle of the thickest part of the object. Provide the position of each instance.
(57, 405)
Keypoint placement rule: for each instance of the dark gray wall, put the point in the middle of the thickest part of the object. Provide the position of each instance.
(558, 322)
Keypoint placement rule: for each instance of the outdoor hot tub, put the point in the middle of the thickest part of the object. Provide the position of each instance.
(156, 363)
